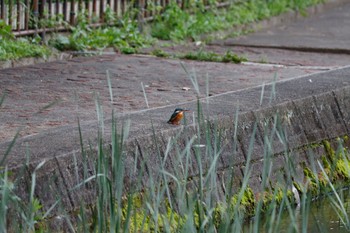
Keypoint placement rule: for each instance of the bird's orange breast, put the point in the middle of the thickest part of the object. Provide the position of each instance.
(177, 118)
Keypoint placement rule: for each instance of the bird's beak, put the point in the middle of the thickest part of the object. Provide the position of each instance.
(186, 110)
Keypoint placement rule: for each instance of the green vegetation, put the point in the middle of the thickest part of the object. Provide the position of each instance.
(201, 55)
(160, 53)
(177, 24)
(124, 35)
(12, 49)
(121, 34)
(16, 49)
(336, 167)
(211, 56)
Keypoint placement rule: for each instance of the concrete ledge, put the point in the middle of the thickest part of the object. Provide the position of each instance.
(33, 60)
(308, 110)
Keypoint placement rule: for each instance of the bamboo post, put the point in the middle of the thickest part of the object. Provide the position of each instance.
(72, 12)
(26, 16)
(2, 12)
(102, 11)
(18, 25)
(35, 15)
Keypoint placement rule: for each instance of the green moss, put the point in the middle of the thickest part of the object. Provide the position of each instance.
(141, 219)
(214, 57)
(159, 53)
(336, 163)
(275, 196)
(325, 163)
(248, 197)
(247, 203)
(309, 174)
(279, 195)
(312, 181)
(231, 57)
(343, 169)
(336, 166)
(329, 150)
(219, 213)
(299, 187)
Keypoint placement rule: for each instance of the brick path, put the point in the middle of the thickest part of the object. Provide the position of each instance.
(72, 87)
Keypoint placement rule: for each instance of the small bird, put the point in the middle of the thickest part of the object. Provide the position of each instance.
(177, 116)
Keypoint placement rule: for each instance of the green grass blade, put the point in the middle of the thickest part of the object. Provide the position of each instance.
(144, 94)
(9, 148)
(109, 86)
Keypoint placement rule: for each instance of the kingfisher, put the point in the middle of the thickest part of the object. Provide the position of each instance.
(177, 116)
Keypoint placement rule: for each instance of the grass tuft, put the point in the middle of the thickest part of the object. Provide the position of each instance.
(214, 57)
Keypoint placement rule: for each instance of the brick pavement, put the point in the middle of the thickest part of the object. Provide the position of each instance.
(72, 87)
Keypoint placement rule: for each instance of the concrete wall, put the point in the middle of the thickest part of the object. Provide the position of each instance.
(305, 110)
